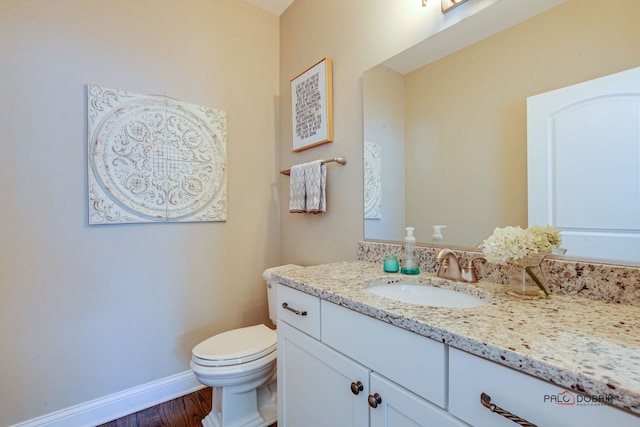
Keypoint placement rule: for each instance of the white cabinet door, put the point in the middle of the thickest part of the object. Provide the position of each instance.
(583, 144)
(314, 384)
(398, 407)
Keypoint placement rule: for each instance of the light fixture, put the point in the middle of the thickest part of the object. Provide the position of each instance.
(424, 3)
(450, 4)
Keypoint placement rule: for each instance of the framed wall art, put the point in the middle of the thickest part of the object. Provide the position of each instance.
(154, 159)
(312, 106)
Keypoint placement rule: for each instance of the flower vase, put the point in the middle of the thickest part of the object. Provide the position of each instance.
(526, 280)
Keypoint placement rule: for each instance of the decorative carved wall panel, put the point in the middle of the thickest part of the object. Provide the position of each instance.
(372, 180)
(154, 159)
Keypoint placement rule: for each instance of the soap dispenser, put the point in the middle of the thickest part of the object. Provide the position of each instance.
(409, 265)
(437, 236)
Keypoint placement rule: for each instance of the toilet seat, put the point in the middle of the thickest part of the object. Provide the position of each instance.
(236, 346)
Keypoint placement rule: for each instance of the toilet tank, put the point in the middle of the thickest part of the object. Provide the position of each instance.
(272, 289)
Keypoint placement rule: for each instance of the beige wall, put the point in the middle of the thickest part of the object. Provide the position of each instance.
(357, 35)
(466, 114)
(89, 311)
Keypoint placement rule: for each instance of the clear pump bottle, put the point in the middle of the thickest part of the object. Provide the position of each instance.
(437, 236)
(409, 265)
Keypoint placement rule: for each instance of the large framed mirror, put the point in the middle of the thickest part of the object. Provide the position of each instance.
(449, 137)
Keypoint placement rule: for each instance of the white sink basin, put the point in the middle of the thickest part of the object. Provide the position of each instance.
(426, 295)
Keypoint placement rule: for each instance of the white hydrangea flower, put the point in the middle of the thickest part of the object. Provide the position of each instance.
(510, 244)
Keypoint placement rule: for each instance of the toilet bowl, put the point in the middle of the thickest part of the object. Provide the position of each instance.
(240, 366)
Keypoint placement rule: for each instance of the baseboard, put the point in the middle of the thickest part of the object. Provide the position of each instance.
(108, 408)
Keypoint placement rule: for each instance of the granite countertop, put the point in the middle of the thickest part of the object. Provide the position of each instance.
(585, 345)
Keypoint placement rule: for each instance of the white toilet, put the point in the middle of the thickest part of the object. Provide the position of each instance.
(240, 365)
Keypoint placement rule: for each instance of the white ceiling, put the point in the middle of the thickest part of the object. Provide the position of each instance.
(274, 6)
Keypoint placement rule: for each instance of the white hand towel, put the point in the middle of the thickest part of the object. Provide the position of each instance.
(315, 177)
(297, 193)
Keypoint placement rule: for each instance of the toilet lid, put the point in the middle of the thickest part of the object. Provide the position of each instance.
(236, 346)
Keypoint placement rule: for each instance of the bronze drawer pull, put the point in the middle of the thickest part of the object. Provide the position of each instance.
(298, 312)
(485, 399)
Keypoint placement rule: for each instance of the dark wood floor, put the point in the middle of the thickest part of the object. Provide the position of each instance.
(185, 411)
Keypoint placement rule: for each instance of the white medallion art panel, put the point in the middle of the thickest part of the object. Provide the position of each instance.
(372, 180)
(154, 159)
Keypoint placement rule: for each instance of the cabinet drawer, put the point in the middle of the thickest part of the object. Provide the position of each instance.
(535, 400)
(302, 310)
(412, 361)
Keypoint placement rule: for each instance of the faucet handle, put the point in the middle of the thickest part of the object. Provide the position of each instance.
(478, 258)
(469, 273)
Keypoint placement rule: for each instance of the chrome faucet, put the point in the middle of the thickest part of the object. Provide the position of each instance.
(450, 267)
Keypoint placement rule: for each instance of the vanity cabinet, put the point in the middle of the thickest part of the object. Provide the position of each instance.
(337, 367)
(534, 400)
